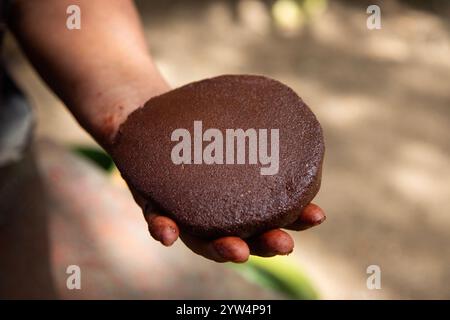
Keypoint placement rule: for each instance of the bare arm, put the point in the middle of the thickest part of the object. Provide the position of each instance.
(101, 72)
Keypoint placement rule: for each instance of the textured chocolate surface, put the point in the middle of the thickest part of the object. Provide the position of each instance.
(223, 199)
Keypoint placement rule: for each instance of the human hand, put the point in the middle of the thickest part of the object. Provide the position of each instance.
(229, 249)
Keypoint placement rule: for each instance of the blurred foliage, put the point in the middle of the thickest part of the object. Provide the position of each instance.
(291, 15)
(281, 274)
(96, 155)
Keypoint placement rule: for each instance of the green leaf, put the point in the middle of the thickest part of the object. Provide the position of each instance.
(96, 155)
(281, 274)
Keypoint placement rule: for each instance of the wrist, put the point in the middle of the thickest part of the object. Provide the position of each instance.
(106, 106)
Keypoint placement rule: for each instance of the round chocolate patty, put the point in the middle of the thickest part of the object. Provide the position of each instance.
(206, 190)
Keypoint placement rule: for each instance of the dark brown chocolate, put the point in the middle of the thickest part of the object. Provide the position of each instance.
(213, 200)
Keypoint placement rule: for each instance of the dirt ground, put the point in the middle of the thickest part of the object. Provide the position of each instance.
(383, 99)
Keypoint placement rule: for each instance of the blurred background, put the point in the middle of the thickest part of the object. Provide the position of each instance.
(383, 99)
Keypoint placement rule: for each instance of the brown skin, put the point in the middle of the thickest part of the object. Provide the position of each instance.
(103, 72)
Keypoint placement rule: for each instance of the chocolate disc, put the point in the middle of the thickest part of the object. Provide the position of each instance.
(232, 155)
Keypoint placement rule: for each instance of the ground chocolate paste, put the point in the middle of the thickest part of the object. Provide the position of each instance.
(213, 200)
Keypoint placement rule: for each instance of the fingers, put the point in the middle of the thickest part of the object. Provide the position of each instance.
(311, 216)
(234, 249)
(271, 243)
(278, 242)
(162, 229)
(226, 249)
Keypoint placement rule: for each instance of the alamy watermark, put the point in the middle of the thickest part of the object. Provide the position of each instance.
(73, 281)
(227, 148)
(374, 280)
(73, 21)
(374, 20)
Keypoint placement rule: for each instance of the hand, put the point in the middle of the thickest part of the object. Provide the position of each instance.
(230, 249)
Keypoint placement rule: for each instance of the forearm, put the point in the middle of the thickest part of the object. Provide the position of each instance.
(101, 72)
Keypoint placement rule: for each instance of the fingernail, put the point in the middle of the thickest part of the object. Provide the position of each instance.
(222, 250)
(279, 242)
(233, 255)
(319, 219)
(168, 236)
